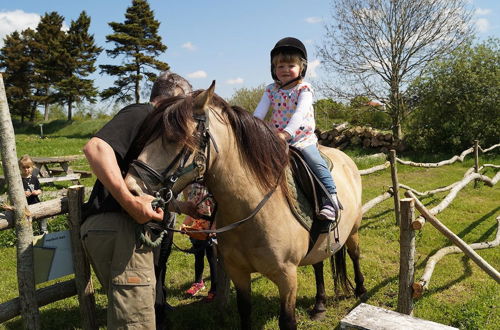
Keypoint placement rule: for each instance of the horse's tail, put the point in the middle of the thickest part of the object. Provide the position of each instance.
(339, 273)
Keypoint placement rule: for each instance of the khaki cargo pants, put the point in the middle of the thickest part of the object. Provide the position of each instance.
(125, 270)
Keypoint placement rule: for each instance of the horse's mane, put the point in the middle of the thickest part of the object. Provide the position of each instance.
(263, 151)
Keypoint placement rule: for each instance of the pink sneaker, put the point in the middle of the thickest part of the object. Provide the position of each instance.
(327, 213)
(195, 288)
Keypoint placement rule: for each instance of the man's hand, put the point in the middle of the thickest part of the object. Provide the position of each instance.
(141, 210)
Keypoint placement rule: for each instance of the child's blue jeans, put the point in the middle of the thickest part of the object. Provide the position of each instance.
(319, 167)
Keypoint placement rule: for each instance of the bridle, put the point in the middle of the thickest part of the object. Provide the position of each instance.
(165, 187)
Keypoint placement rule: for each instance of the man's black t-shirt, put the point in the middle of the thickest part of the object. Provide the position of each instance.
(120, 133)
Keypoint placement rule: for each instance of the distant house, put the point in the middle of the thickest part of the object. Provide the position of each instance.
(376, 103)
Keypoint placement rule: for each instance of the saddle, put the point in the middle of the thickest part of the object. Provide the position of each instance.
(306, 192)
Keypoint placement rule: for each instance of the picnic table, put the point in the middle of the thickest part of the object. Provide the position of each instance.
(47, 171)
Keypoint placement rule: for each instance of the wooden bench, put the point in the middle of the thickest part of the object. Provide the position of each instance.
(366, 316)
(69, 177)
(75, 177)
(84, 174)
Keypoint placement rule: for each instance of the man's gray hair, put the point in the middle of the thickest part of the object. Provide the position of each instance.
(169, 84)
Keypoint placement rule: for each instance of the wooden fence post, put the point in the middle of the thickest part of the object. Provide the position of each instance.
(81, 264)
(476, 160)
(395, 185)
(24, 231)
(406, 257)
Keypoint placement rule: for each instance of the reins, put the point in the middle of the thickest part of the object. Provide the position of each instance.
(166, 194)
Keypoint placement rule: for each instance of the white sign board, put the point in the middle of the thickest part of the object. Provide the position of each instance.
(52, 256)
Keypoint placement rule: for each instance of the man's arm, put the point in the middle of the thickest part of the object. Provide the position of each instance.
(102, 160)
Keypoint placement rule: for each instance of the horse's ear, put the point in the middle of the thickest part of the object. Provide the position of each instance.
(203, 99)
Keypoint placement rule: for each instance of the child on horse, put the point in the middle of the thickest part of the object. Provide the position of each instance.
(291, 100)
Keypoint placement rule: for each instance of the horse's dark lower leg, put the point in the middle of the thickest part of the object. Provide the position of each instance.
(287, 286)
(353, 251)
(319, 306)
(287, 317)
(244, 308)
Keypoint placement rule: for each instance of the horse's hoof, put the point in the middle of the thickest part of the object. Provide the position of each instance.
(317, 315)
(360, 293)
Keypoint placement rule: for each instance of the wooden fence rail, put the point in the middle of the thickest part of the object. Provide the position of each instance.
(396, 185)
(82, 283)
(408, 289)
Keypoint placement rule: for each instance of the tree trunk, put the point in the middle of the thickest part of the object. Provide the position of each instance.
(70, 109)
(137, 84)
(33, 111)
(24, 231)
(46, 111)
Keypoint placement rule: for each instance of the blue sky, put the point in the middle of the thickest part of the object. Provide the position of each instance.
(225, 40)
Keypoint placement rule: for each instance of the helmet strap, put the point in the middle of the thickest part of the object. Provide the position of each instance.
(291, 81)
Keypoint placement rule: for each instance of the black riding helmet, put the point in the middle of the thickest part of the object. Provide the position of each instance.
(289, 45)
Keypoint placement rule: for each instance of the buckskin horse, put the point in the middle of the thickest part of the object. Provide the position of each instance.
(242, 161)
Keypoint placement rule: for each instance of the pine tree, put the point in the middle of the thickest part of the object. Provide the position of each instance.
(138, 41)
(80, 54)
(15, 57)
(48, 59)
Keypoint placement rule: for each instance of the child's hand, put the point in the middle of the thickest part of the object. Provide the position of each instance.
(27, 193)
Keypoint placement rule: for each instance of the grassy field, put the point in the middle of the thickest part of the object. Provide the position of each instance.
(460, 293)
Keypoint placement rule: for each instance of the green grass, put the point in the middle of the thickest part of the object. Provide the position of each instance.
(460, 293)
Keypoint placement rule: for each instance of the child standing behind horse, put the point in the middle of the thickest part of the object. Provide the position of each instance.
(291, 100)
(203, 244)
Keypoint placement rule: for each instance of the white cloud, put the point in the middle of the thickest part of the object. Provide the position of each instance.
(482, 12)
(311, 68)
(483, 24)
(189, 46)
(16, 20)
(235, 81)
(313, 20)
(197, 74)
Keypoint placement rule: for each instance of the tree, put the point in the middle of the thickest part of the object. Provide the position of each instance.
(138, 41)
(17, 71)
(48, 58)
(17, 60)
(375, 47)
(326, 112)
(457, 99)
(80, 54)
(247, 98)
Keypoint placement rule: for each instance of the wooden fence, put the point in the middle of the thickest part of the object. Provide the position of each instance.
(404, 214)
(81, 284)
(21, 216)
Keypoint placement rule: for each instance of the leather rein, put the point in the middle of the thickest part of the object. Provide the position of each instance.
(166, 191)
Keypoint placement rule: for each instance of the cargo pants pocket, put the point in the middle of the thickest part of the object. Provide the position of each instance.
(131, 300)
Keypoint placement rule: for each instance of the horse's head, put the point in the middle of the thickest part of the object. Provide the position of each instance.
(186, 136)
(176, 143)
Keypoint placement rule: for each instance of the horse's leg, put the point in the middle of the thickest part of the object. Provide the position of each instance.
(353, 250)
(241, 281)
(319, 309)
(286, 280)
